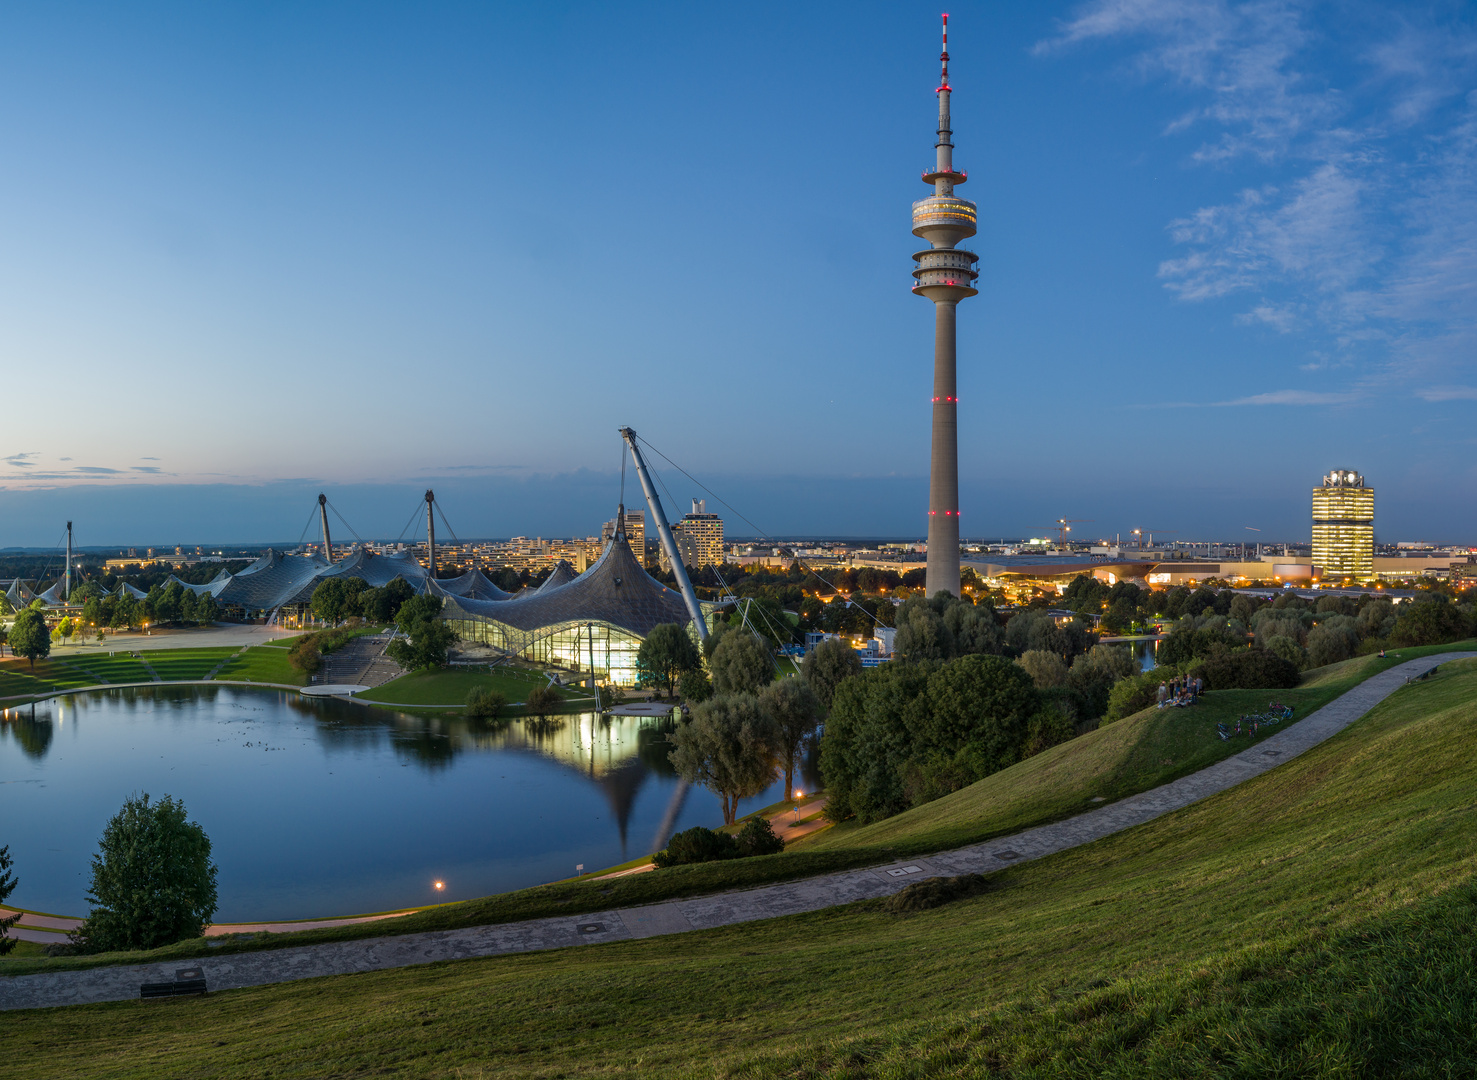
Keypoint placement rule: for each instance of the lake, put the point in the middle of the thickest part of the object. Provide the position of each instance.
(317, 807)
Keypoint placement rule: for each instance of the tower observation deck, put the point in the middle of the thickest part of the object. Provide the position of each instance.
(944, 274)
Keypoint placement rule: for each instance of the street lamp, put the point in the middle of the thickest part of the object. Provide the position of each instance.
(798, 796)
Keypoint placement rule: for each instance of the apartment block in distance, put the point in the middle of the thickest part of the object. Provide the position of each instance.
(705, 531)
(1343, 526)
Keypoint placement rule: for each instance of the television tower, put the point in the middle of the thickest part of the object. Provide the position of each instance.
(945, 274)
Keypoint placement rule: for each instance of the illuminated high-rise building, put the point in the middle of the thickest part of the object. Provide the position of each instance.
(945, 274)
(705, 530)
(1343, 526)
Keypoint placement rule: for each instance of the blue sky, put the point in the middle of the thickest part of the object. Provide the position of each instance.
(257, 251)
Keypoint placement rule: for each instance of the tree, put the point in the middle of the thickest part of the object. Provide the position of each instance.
(796, 711)
(66, 628)
(1095, 672)
(4, 637)
(900, 735)
(665, 655)
(1045, 668)
(28, 635)
(1428, 621)
(825, 666)
(207, 611)
(7, 886)
(740, 664)
(428, 638)
(152, 879)
(730, 747)
(383, 604)
(694, 686)
(337, 598)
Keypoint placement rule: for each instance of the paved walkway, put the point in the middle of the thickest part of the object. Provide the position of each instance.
(724, 909)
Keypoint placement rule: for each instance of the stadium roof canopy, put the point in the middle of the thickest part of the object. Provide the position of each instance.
(615, 592)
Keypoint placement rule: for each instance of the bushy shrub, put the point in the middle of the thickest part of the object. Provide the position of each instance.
(485, 703)
(1135, 693)
(542, 700)
(697, 845)
(305, 655)
(935, 892)
(757, 838)
(1251, 668)
(1048, 728)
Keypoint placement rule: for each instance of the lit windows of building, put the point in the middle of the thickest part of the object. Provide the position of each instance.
(704, 532)
(1343, 526)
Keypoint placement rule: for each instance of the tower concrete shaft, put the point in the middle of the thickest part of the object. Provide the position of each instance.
(944, 274)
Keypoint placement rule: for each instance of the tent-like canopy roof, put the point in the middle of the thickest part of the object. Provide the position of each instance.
(617, 591)
(273, 580)
(474, 585)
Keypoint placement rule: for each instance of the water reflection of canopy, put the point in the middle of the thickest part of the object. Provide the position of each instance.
(616, 592)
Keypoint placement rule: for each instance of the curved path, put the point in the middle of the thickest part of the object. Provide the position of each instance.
(724, 909)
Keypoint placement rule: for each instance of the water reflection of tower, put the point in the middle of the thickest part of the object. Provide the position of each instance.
(945, 274)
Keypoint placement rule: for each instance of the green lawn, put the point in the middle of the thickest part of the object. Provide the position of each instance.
(263, 663)
(186, 664)
(450, 686)
(18, 677)
(1317, 921)
(113, 669)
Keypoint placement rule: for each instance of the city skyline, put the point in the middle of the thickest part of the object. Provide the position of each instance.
(1224, 252)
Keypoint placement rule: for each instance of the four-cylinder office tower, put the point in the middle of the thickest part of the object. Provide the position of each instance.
(945, 274)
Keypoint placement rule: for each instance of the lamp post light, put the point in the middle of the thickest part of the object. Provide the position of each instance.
(798, 796)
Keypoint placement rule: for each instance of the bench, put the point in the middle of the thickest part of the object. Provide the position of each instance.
(1424, 674)
(187, 982)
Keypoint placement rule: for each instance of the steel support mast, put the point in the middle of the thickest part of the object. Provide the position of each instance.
(323, 516)
(663, 530)
(67, 577)
(431, 533)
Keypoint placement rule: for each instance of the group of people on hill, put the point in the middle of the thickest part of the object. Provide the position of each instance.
(1180, 690)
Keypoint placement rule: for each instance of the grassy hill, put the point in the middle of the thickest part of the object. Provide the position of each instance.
(1315, 921)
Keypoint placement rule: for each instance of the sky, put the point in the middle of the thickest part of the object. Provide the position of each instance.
(257, 251)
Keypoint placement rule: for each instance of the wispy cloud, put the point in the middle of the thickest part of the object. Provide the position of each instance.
(1448, 393)
(1362, 228)
(146, 468)
(148, 459)
(1293, 397)
(1272, 397)
(95, 470)
(20, 459)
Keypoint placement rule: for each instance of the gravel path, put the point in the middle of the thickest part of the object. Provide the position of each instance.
(725, 909)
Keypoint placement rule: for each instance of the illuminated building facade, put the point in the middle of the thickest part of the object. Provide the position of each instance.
(945, 274)
(700, 534)
(592, 623)
(1343, 526)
